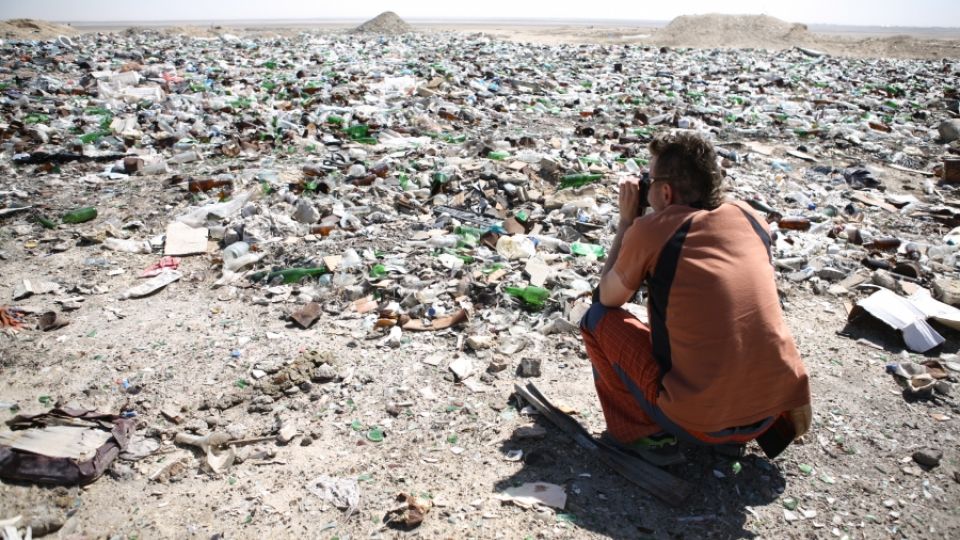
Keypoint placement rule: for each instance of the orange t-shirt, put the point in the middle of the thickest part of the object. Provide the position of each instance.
(727, 358)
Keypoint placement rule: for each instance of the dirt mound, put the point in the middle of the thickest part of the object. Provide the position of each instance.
(755, 31)
(33, 29)
(387, 22)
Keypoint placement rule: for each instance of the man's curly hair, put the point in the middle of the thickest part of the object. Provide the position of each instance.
(688, 162)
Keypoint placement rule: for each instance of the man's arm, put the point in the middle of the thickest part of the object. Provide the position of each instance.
(613, 293)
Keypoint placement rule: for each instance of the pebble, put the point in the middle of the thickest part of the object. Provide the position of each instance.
(529, 367)
(928, 457)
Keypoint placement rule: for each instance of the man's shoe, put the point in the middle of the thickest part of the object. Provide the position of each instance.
(660, 449)
(733, 450)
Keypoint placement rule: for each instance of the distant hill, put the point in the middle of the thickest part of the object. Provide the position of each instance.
(387, 22)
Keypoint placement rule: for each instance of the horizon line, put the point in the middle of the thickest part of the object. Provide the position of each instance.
(626, 22)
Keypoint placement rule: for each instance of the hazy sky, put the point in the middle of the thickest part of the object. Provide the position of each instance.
(851, 12)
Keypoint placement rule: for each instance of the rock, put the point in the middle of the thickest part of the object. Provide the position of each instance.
(883, 279)
(949, 131)
(529, 367)
(44, 520)
(947, 291)
(23, 289)
(831, 274)
(497, 365)
(838, 290)
(305, 212)
(462, 367)
(911, 470)
(395, 339)
(324, 373)
(928, 457)
(478, 343)
(287, 433)
(122, 472)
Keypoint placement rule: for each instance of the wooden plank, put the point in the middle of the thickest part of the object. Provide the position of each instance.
(652, 458)
(661, 484)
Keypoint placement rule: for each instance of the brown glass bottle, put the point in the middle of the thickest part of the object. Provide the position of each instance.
(197, 185)
(795, 223)
(883, 244)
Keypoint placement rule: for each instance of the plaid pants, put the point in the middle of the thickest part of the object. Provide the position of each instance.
(628, 379)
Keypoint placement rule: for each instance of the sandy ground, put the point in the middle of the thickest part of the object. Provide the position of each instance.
(190, 349)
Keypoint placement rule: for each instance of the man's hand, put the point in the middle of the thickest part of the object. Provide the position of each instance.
(629, 200)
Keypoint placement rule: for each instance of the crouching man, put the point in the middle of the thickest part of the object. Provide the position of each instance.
(717, 364)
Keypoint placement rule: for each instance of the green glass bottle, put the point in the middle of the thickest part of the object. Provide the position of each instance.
(288, 275)
(46, 223)
(585, 250)
(469, 236)
(80, 215)
(578, 180)
(533, 296)
(498, 155)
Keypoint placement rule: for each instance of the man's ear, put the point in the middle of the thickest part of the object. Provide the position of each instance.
(669, 193)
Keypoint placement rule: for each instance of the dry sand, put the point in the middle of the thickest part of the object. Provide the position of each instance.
(450, 445)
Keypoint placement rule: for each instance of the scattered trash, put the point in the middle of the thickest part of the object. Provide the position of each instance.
(63, 446)
(409, 514)
(80, 215)
(161, 280)
(343, 493)
(429, 195)
(306, 315)
(171, 263)
(909, 316)
(218, 459)
(185, 240)
(533, 493)
(913, 378)
(10, 318)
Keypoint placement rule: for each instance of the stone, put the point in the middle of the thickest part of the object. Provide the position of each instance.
(479, 343)
(949, 130)
(306, 212)
(44, 520)
(121, 471)
(831, 274)
(462, 367)
(529, 367)
(947, 291)
(23, 289)
(287, 433)
(324, 373)
(928, 457)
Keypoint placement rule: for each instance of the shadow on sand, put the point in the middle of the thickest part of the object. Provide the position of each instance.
(601, 501)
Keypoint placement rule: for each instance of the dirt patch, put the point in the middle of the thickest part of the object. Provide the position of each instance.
(732, 31)
(34, 29)
(765, 32)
